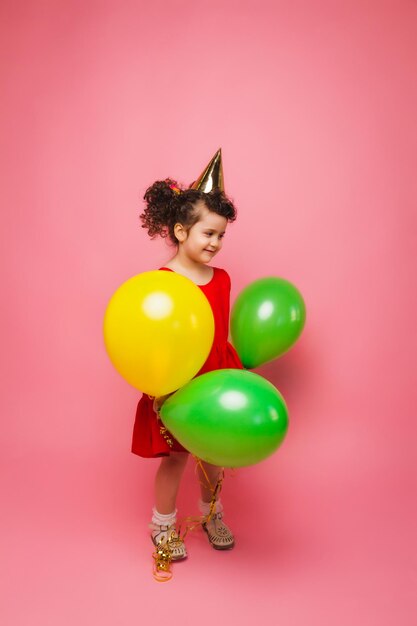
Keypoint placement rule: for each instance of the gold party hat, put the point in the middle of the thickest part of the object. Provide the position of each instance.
(212, 177)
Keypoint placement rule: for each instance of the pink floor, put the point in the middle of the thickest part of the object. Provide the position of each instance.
(314, 106)
(316, 544)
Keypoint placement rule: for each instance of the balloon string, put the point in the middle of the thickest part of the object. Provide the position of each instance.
(193, 522)
(166, 435)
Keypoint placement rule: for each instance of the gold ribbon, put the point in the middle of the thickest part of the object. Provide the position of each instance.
(166, 435)
(162, 562)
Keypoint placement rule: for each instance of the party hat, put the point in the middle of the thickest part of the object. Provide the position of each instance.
(212, 177)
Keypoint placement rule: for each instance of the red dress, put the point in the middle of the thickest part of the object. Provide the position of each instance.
(147, 439)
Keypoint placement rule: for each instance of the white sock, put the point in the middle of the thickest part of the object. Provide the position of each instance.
(205, 507)
(160, 519)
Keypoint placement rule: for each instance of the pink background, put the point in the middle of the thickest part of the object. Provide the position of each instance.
(314, 106)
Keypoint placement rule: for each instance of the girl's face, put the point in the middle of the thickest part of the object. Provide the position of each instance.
(204, 239)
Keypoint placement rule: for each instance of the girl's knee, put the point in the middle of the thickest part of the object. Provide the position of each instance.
(175, 459)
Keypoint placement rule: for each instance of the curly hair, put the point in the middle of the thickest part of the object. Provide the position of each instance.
(167, 204)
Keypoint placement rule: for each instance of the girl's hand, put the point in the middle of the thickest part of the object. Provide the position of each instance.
(158, 402)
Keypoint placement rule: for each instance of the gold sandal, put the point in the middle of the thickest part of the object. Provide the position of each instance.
(167, 536)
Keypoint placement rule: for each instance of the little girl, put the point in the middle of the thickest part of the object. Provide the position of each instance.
(195, 221)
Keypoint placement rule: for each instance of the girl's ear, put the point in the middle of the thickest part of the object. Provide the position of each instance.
(180, 232)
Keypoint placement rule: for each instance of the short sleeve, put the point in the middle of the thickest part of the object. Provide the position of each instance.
(226, 280)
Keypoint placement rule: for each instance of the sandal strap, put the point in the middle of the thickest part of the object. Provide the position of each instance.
(218, 533)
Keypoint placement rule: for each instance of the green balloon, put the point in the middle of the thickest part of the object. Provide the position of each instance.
(266, 320)
(230, 418)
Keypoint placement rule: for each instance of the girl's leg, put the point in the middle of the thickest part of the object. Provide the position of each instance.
(167, 481)
(219, 535)
(212, 473)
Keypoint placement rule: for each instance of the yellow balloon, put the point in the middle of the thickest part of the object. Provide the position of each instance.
(158, 331)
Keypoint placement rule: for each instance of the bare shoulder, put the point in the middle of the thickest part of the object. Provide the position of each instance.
(199, 275)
